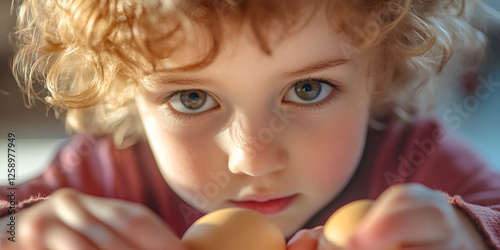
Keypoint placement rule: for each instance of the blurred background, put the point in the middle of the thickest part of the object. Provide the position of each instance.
(37, 131)
(39, 134)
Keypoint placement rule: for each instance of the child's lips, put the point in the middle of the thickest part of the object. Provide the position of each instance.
(266, 206)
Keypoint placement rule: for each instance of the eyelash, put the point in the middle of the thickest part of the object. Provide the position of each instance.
(311, 107)
(181, 117)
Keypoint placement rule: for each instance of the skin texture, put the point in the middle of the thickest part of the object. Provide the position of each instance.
(220, 155)
(407, 216)
(260, 144)
(255, 143)
(72, 220)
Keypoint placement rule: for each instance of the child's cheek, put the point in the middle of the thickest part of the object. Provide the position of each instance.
(185, 159)
(337, 154)
(330, 153)
(190, 167)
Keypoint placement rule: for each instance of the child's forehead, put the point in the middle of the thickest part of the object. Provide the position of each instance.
(312, 49)
(180, 42)
(306, 41)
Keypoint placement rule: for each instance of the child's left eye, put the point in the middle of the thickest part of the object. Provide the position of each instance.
(191, 101)
(308, 91)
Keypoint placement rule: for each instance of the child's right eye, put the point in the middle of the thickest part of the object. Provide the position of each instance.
(191, 101)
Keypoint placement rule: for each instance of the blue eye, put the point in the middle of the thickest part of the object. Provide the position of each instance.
(192, 101)
(308, 91)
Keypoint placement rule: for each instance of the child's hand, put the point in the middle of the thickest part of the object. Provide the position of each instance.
(306, 239)
(407, 216)
(72, 220)
(412, 215)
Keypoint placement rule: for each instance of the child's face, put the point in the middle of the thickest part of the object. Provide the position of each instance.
(266, 129)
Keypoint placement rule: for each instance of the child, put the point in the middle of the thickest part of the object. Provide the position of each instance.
(289, 108)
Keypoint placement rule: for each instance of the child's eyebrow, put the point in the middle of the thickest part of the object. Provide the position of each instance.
(168, 79)
(317, 67)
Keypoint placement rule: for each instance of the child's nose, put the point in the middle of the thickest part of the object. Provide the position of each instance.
(254, 149)
(253, 163)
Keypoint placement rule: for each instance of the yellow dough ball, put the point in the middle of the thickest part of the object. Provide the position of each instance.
(344, 221)
(234, 228)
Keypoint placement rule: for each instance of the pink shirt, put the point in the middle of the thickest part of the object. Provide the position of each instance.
(419, 152)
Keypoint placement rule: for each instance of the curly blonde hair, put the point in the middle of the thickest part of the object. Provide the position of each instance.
(86, 57)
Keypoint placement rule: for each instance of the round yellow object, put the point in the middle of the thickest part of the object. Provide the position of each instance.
(234, 228)
(344, 221)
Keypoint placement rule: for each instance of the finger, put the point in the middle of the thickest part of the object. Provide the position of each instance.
(40, 229)
(61, 237)
(305, 239)
(410, 215)
(139, 225)
(69, 207)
